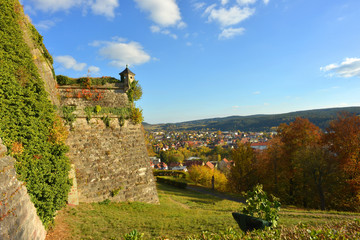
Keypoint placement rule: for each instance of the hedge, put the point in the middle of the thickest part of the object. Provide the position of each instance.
(174, 173)
(171, 182)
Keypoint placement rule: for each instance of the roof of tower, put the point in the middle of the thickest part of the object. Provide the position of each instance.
(127, 71)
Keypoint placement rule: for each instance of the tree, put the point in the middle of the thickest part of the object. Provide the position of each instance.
(343, 140)
(317, 170)
(241, 175)
(269, 165)
(296, 136)
(203, 175)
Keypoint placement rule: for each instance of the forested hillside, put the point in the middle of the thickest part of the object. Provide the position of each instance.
(320, 117)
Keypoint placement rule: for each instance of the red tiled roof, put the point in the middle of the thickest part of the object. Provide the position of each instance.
(210, 165)
(259, 144)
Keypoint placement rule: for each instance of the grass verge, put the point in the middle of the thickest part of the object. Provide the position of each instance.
(181, 213)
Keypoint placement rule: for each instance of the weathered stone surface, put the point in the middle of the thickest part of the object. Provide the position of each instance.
(111, 162)
(111, 96)
(73, 198)
(44, 66)
(18, 217)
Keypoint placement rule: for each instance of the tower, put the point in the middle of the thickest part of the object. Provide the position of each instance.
(127, 77)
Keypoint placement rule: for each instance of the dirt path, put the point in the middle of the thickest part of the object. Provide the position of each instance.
(61, 230)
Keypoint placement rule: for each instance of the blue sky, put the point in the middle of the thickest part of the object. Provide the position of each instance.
(200, 59)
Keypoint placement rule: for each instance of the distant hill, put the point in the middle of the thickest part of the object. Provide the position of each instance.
(263, 122)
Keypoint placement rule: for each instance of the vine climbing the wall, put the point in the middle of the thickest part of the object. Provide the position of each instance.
(28, 120)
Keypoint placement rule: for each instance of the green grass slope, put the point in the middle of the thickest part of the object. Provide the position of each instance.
(183, 214)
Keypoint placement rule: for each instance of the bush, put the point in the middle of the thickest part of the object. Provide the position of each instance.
(135, 91)
(133, 235)
(63, 80)
(259, 205)
(84, 81)
(173, 173)
(136, 115)
(203, 175)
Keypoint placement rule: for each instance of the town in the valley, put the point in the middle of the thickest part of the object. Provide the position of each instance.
(179, 150)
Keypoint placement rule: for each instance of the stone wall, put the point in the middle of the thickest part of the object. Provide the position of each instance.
(18, 217)
(111, 162)
(109, 96)
(43, 65)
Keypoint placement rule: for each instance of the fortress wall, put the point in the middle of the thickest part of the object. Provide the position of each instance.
(18, 217)
(110, 96)
(111, 161)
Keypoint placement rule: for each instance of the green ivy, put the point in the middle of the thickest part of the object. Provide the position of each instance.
(27, 119)
(68, 114)
(88, 113)
(38, 39)
(106, 120)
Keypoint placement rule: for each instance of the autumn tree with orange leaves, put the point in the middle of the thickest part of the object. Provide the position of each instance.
(305, 166)
(295, 137)
(343, 141)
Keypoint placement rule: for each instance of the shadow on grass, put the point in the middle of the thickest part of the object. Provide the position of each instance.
(196, 196)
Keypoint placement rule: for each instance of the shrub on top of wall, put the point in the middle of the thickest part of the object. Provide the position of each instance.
(64, 80)
(28, 124)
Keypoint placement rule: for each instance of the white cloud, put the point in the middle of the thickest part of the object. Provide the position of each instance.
(198, 5)
(209, 8)
(69, 62)
(246, 2)
(266, 1)
(55, 5)
(256, 93)
(182, 25)
(224, 2)
(350, 67)
(162, 12)
(104, 7)
(227, 17)
(29, 10)
(157, 29)
(45, 25)
(98, 7)
(228, 33)
(94, 69)
(121, 53)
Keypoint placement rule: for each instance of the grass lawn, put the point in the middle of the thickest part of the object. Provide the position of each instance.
(181, 213)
